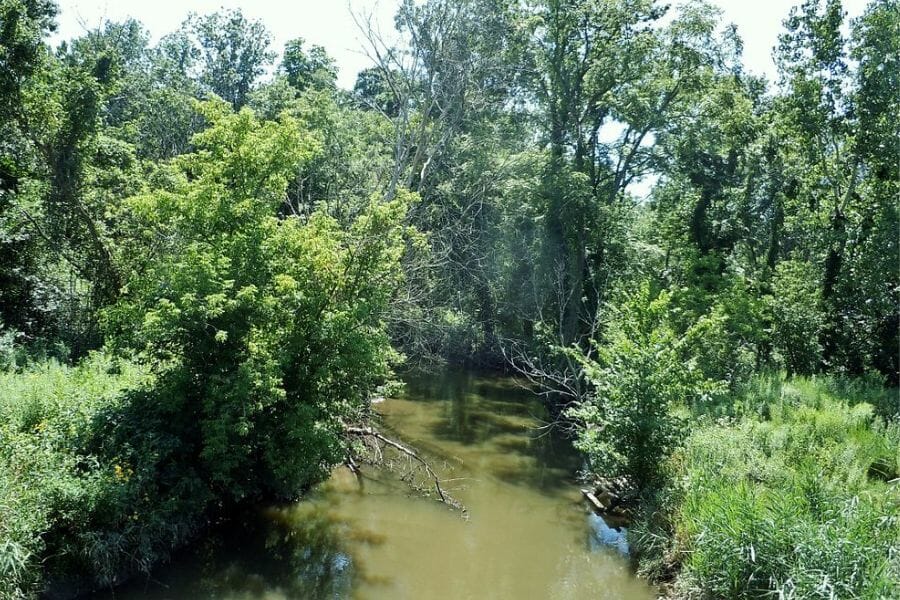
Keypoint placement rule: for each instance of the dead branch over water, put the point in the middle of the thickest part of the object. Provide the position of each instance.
(379, 437)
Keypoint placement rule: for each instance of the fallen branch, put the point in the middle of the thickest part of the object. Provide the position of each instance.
(351, 464)
(369, 432)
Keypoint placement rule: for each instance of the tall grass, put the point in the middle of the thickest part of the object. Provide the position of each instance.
(794, 495)
(48, 482)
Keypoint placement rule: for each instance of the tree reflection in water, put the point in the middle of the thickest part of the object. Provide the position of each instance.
(297, 551)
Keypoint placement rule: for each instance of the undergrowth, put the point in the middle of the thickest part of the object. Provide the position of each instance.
(790, 491)
(51, 484)
(91, 488)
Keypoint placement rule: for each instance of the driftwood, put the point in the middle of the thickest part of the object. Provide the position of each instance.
(369, 432)
(351, 464)
(593, 501)
(611, 497)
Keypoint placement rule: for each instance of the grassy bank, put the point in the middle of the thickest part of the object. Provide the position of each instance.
(789, 491)
(94, 483)
(68, 503)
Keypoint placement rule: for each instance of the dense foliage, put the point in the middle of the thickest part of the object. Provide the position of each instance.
(53, 477)
(239, 324)
(208, 266)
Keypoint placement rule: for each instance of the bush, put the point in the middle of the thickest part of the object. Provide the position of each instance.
(629, 424)
(798, 317)
(725, 342)
(267, 332)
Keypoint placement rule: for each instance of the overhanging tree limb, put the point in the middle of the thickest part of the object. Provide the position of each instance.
(369, 432)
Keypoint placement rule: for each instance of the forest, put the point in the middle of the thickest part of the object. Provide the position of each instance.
(213, 259)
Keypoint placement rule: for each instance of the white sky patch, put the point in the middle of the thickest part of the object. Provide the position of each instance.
(611, 133)
(759, 22)
(329, 23)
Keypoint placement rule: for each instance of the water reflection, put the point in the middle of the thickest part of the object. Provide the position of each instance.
(603, 536)
(292, 552)
(528, 534)
(498, 424)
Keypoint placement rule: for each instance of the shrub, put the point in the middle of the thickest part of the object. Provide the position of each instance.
(267, 333)
(726, 341)
(797, 316)
(50, 484)
(630, 423)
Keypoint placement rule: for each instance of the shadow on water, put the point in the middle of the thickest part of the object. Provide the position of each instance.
(470, 426)
(476, 409)
(451, 384)
(501, 420)
(296, 551)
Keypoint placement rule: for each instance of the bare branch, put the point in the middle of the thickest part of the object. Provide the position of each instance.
(369, 432)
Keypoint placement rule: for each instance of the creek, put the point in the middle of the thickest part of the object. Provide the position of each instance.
(526, 533)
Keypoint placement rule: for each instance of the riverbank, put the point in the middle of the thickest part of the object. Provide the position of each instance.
(79, 511)
(791, 489)
(99, 481)
(526, 533)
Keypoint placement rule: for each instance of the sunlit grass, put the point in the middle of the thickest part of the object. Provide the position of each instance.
(46, 480)
(795, 495)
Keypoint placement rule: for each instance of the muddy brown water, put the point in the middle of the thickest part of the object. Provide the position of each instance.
(526, 533)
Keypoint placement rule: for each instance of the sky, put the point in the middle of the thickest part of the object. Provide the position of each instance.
(330, 23)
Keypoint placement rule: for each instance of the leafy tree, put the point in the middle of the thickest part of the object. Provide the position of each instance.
(600, 69)
(446, 93)
(25, 23)
(372, 91)
(750, 180)
(22, 55)
(167, 118)
(62, 206)
(630, 422)
(832, 111)
(233, 53)
(312, 69)
(267, 331)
